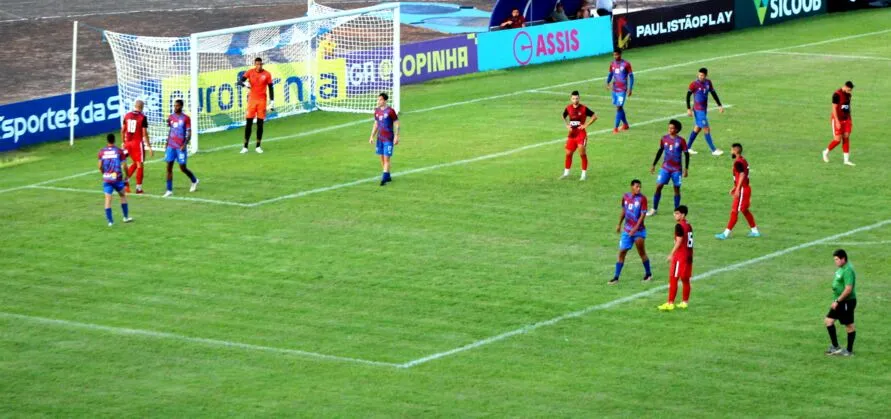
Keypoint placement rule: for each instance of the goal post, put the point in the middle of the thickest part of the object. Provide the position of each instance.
(317, 62)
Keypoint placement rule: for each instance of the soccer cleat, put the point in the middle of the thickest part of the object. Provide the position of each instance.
(194, 186)
(615, 130)
(139, 191)
(849, 163)
(111, 224)
(167, 194)
(565, 176)
(717, 152)
(833, 350)
(651, 212)
(625, 127)
(666, 307)
(583, 177)
(844, 352)
(692, 151)
(259, 150)
(383, 182)
(825, 156)
(128, 219)
(683, 305)
(244, 150)
(613, 281)
(754, 234)
(647, 278)
(721, 236)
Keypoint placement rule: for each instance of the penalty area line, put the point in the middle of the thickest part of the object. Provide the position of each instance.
(171, 198)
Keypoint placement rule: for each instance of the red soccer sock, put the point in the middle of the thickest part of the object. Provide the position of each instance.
(733, 217)
(672, 289)
(846, 145)
(833, 144)
(131, 170)
(139, 175)
(568, 163)
(686, 292)
(585, 161)
(750, 218)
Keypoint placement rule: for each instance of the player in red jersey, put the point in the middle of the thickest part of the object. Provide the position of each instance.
(259, 81)
(136, 140)
(681, 259)
(741, 193)
(575, 116)
(841, 122)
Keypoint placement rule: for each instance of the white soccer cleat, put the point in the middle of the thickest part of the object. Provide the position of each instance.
(128, 219)
(717, 152)
(111, 224)
(849, 163)
(194, 186)
(583, 177)
(167, 194)
(651, 212)
(244, 150)
(826, 156)
(692, 151)
(259, 150)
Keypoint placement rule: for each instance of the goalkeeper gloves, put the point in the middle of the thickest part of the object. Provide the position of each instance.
(246, 83)
(272, 105)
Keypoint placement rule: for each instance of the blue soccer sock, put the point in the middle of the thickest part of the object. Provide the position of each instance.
(677, 200)
(646, 265)
(108, 215)
(624, 119)
(170, 185)
(619, 266)
(618, 117)
(692, 138)
(125, 208)
(656, 197)
(387, 175)
(708, 139)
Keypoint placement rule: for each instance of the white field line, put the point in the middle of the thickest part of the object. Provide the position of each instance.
(851, 57)
(872, 243)
(172, 336)
(171, 198)
(632, 297)
(448, 105)
(634, 98)
(449, 164)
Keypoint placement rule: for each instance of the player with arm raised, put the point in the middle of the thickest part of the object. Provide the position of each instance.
(622, 79)
(741, 193)
(634, 232)
(699, 90)
(575, 116)
(134, 131)
(841, 122)
(672, 145)
(384, 134)
(680, 259)
(177, 146)
(258, 81)
(112, 165)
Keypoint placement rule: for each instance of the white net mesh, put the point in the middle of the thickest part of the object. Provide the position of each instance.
(333, 63)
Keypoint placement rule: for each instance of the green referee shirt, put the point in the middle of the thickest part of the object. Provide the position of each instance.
(844, 276)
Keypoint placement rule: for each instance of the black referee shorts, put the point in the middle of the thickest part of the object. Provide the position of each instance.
(844, 312)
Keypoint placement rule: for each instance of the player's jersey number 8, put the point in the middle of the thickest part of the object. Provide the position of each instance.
(690, 240)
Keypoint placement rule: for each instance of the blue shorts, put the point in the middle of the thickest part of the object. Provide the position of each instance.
(701, 118)
(618, 98)
(664, 176)
(113, 187)
(175, 154)
(627, 242)
(384, 148)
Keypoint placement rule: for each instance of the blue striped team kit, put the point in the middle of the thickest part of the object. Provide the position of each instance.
(622, 79)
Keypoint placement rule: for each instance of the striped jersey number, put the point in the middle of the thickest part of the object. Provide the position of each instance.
(690, 240)
(131, 126)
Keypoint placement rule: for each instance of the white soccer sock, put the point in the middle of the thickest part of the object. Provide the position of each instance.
(755, 229)
(726, 232)
(847, 157)
(565, 172)
(584, 172)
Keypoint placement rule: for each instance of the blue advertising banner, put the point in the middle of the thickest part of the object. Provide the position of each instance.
(544, 43)
(36, 121)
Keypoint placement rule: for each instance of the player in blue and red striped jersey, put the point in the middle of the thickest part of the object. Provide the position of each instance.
(177, 146)
(113, 165)
(622, 79)
(384, 134)
(700, 89)
(673, 145)
(634, 211)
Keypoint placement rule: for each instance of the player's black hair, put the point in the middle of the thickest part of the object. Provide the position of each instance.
(618, 50)
(635, 182)
(737, 145)
(676, 123)
(384, 95)
(849, 84)
(109, 138)
(703, 70)
(178, 101)
(574, 93)
(841, 254)
(682, 209)
(258, 60)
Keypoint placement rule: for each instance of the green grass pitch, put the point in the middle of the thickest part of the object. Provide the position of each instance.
(293, 285)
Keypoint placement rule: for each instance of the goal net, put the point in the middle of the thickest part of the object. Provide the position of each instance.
(338, 61)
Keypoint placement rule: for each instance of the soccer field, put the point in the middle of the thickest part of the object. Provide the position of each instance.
(474, 284)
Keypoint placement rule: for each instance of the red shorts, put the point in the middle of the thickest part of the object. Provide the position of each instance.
(256, 108)
(680, 269)
(573, 142)
(742, 201)
(135, 150)
(842, 127)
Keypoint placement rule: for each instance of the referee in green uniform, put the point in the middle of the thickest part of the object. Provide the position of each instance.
(842, 308)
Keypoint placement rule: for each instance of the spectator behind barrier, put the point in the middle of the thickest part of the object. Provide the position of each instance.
(605, 7)
(558, 15)
(514, 21)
